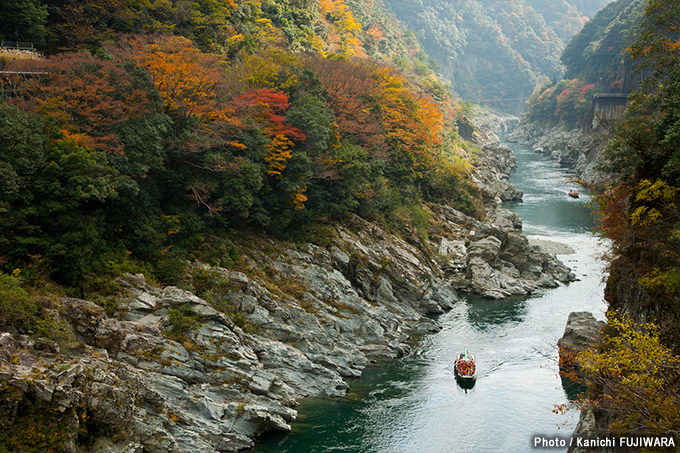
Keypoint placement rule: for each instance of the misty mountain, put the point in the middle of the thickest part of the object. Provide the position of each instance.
(597, 54)
(495, 51)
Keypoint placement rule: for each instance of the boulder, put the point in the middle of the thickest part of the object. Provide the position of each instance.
(582, 331)
(502, 263)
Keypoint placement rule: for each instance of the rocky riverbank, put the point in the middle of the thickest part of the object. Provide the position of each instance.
(495, 162)
(577, 148)
(212, 365)
(582, 331)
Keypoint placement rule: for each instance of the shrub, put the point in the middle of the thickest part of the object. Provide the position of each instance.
(27, 314)
(17, 308)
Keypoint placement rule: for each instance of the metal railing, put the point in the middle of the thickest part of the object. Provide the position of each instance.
(24, 72)
(17, 45)
(611, 95)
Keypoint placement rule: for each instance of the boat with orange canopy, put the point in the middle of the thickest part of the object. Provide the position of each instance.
(465, 366)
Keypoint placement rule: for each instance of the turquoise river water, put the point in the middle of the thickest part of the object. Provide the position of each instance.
(415, 405)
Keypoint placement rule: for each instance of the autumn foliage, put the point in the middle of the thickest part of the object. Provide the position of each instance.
(637, 372)
(344, 27)
(376, 108)
(634, 375)
(184, 135)
(192, 83)
(86, 96)
(567, 102)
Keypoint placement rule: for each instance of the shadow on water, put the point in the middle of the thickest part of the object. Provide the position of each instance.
(485, 314)
(572, 389)
(415, 404)
(331, 424)
(466, 384)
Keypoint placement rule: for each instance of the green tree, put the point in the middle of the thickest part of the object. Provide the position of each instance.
(22, 157)
(311, 114)
(23, 20)
(53, 197)
(69, 201)
(346, 179)
(642, 219)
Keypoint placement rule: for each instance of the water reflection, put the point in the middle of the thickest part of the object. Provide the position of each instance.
(485, 314)
(466, 384)
(416, 404)
(574, 390)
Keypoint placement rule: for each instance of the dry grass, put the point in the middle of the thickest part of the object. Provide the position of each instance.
(21, 54)
(8, 56)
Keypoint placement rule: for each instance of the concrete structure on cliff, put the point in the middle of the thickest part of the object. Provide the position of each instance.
(608, 107)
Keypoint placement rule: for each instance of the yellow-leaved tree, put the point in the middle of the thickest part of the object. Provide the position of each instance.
(632, 380)
(344, 28)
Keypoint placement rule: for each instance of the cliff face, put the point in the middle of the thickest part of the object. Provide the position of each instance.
(169, 370)
(494, 52)
(572, 120)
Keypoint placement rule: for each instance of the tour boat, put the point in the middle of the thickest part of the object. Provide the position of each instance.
(465, 366)
(573, 194)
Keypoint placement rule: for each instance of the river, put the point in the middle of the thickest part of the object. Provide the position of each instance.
(415, 405)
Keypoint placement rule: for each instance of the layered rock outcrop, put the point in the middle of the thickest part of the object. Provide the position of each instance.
(582, 331)
(168, 370)
(497, 263)
(497, 161)
(214, 364)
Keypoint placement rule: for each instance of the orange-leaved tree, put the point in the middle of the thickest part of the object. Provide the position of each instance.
(87, 96)
(412, 123)
(350, 92)
(267, 106)
(193, 84)
(413, 119)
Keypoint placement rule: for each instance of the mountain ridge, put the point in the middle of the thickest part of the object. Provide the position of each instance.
(495, 51)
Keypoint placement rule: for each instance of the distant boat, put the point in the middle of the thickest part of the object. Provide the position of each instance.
(573, 194)
(465, 367)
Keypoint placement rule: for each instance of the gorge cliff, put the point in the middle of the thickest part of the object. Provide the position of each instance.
(227, 357)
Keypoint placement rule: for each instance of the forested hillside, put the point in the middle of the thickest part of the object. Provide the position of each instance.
(641, 219)
(495, 52)
(597, 60)
(146, 131)
(599, 53)
(211, 209)
(566, 17)
(631, 45)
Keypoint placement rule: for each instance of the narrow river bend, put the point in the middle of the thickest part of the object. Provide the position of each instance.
(415, 405)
